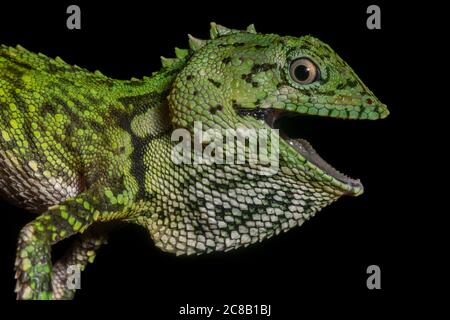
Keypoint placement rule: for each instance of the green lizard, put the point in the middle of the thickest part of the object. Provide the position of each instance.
(79, 148)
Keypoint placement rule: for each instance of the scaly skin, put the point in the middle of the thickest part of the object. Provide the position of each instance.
(79, 148)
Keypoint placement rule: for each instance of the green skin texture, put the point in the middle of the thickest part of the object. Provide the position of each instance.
(79, 149)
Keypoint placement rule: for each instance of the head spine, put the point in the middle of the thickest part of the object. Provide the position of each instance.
(216, 31)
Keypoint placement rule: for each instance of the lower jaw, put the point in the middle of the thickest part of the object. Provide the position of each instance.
(335, 181)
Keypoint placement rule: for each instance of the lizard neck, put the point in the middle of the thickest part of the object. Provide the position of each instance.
(142, 116)
(147, 89)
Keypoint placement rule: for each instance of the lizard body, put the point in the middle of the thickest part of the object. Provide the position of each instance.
(79, 148)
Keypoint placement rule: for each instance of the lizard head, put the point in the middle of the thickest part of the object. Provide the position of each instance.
(259, 80)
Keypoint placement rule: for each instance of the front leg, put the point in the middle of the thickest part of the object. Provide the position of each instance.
(33, 262)
(81, 252)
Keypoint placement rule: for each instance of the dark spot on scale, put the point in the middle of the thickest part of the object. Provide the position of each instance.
(48, 108)
(214, 82)
(238, 44)
(247, 77)
(66, 81)
(262, 67)
(216, 108)
(255, 84)
(235, 104)
(53, 68)
(15, 71)
(340, 86)
(308, 205)
(369, 101)
(361, 112)
(256, 69)
(195, 92)
(189, 77)
(67, 146)
(258, 46)
(226, 60)
(93, 100)
(352, 83)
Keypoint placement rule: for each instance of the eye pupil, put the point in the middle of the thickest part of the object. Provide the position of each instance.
(301, 72)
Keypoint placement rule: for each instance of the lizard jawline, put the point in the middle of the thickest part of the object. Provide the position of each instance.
(306, 150)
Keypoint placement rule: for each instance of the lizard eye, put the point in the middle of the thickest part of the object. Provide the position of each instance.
(303, 71)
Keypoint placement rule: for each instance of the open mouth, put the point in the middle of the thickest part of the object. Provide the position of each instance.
(288, 124)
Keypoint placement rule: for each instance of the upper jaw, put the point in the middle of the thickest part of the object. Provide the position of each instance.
(346, 185)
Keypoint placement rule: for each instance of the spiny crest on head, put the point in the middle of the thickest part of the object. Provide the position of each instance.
(195, 44)
(218, 30)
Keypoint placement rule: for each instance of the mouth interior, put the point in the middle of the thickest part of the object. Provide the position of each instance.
(291, 126)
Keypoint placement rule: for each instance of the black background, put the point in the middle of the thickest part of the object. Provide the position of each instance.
(321, 265)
